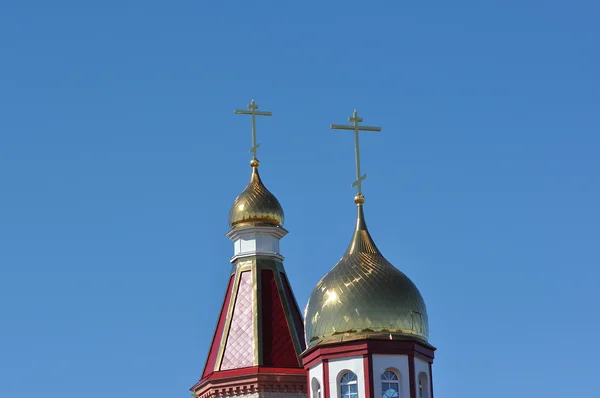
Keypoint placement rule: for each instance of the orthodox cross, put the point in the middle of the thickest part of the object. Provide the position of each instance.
(355, 120)
(253, 107)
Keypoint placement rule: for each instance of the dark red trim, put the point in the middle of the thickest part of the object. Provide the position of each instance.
(308, 385)
(211, 359)
(252, 383)
(411, 375)
(225, 374)
(364, 347)
(430, 380)
(423, 357)
(368, 369)
(325, 386)
(337, 356)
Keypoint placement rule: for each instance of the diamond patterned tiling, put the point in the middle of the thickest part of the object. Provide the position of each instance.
(296, 316)
(278, 348)
(239, 349)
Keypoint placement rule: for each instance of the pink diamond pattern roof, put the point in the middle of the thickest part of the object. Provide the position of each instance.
(239, 349)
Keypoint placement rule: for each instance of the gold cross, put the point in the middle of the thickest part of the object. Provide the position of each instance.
(355, 120)
(253, 107)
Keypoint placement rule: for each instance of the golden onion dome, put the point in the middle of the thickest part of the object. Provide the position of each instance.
(256, 204)
(364, 296)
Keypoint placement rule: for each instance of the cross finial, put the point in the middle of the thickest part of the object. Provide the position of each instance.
(355, 119)
(253, 107)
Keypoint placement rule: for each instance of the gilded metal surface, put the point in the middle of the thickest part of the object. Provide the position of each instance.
(256, 204)
(364, 296)
(355, 119)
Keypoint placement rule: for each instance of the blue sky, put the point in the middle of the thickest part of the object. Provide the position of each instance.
(120, 156)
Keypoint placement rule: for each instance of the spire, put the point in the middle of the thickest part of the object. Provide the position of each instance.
(364, 296)
(361, 239)
(255, 204)
(259, 334)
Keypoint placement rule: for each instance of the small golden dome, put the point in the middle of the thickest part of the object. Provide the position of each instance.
(256, 204)
(364, 296)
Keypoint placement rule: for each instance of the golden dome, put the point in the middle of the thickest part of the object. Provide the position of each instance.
(364, 296)
(256, 204)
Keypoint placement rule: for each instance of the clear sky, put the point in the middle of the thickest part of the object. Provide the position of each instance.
(120, 156)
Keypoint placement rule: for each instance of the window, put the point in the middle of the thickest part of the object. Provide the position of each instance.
(423, 385)
(390, 385)
(316, 388)
(349, 386)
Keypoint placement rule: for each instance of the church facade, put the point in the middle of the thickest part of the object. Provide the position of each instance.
(365, 330)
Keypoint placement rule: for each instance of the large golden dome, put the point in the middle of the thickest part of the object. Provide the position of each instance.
(256, 204)
(364, 296)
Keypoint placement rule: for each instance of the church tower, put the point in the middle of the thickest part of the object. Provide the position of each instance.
(255, 351)
(366, 322)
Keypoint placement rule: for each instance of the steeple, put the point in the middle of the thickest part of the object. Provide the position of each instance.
(258, 339)
(366, 323)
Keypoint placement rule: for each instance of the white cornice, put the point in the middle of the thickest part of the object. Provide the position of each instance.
(256, 253)
(245, 231)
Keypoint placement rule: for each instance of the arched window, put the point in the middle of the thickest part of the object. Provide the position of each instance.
(423, 385)
(348, 386)
(390, 385)
(316, 388)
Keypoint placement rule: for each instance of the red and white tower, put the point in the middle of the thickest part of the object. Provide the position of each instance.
(255, 351)
(366, 322)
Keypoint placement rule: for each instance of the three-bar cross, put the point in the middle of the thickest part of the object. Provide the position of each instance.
(253, 107)
(355, 120)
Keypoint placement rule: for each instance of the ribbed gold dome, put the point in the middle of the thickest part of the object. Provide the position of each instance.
(256, 204)
(364, 296)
